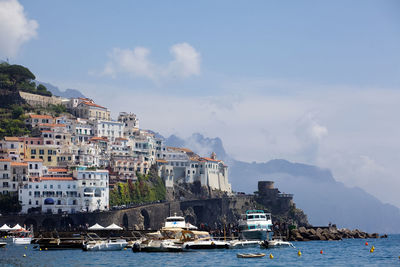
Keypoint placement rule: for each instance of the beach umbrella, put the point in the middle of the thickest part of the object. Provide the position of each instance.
(17, 227)
(113, 227)
(5, 227)
(96, 227)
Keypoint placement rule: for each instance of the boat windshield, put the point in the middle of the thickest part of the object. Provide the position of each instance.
(175, 220)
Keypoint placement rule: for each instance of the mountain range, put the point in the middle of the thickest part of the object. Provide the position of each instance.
(68, 93)
(315, 190)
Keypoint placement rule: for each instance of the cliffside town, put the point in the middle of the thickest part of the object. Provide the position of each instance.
(70, 162)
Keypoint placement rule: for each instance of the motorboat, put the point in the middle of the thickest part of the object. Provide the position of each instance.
(3, 244)
(201, 240)
(243, 243)
(250, 255)
(275, 243)
(178, 222)
(105, 245)
(157, 246)
(95, 243)
(255, 225)
(22, 237)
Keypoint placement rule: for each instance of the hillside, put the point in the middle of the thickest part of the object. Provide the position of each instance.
(315, 190)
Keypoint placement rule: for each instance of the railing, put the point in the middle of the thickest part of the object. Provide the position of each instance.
(285, 195)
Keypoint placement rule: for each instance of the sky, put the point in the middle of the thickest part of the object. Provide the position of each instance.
(315, 82)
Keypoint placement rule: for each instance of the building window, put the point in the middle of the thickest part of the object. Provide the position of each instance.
(33, 151)
(49, 158)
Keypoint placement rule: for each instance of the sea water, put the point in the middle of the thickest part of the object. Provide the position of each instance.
(348, 252)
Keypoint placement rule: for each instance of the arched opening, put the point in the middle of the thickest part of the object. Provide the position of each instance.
(30, 223)
(190, 219)
(49, 201)
(49, 224)
(125, 221)
(146, 217)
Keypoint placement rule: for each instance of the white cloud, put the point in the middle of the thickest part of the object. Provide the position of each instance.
(136, 62)
(15, 27)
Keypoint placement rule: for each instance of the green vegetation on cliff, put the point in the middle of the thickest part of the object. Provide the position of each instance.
(9, 203)
(147, 188)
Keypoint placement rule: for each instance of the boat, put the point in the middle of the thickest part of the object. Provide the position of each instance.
(201, 240)
(157, 246)
(178, 222)
(95, 243)
(250, 255)
(3, 244)
(58, 244)
(22, 237)
(243, 243)
(275, 243)
(255, 225)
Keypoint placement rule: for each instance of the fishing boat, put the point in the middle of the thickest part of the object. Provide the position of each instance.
(275, 243)
(255, 225)
(250, 255)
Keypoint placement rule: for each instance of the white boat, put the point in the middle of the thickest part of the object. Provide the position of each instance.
(178, 222)
(201, 240)
(255, 225)
(3, 244)
(105, 245)
(276, 243)
(244, 243)
(250, 255)
(22, 240)
(157, 246)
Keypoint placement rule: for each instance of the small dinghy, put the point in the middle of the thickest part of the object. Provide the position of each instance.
(250, 255)
(3, 244)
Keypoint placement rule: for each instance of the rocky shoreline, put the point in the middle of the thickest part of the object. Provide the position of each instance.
(328, 233)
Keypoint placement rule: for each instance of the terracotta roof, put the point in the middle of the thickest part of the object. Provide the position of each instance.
(11, 138)
(121, 138)
(5, 160)
(92, 104)
(35, 116)
(183, 149)
(19, 164)
(162, 161)
(56, 178)
(210, 159)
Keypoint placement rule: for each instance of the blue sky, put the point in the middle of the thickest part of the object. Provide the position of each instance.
(309, 81)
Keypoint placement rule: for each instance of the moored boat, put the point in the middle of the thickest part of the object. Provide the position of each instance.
(243, 243)
(3, 244)
(275, 243)
(250, 255)
(255, 225)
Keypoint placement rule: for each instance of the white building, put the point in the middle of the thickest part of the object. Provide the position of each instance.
(86, 191)
(109, 129)
(130, 121)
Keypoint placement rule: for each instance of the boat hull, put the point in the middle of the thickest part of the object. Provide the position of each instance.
(105, 246)
(22, 240)
(255, 235)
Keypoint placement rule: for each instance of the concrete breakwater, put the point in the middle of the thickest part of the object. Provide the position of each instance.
(328, 233)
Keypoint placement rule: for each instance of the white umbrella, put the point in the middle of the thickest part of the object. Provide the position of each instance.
(17, 227)
(5, 227)
(113, 227)
(96, 227)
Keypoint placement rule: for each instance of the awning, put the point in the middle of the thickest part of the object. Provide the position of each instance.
(114, 227)
(17, 227)
(5, 227)
(96, 227)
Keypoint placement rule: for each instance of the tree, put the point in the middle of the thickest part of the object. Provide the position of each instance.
(17, 111)
(17, 73)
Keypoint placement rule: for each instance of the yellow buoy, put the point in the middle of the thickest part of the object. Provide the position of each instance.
(24, 255)
(40, 249)
(299, 253)
(26, 247)
(371, 250)
(124, 248)
(271, 256)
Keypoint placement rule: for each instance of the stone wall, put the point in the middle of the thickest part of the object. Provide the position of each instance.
(39, 100)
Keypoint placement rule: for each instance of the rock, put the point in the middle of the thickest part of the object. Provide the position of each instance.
(383, 236)
(302, 230)
(312, 231)
(375, 235)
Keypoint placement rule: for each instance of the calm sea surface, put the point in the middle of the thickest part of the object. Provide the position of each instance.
(352, 252)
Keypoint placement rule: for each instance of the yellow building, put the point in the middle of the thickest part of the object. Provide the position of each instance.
(47, 153)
